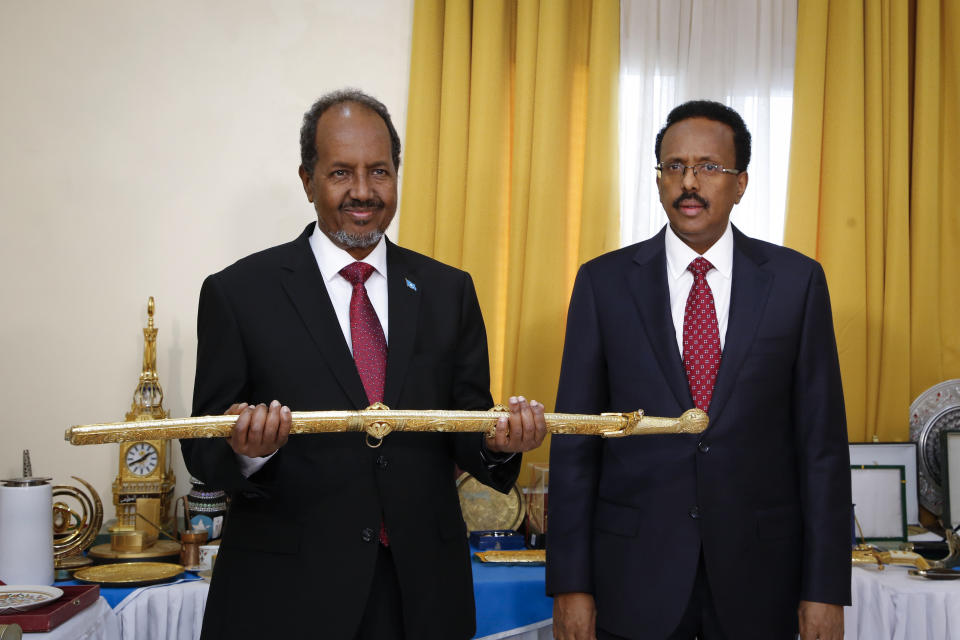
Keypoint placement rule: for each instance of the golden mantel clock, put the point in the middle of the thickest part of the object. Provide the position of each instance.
(145, 481)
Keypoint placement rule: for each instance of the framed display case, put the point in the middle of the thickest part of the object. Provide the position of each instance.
(950, 474)
(879, 501)
(892, 453)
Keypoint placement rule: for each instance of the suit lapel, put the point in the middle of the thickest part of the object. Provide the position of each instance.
(304, 285)
(647, 281)
(748, 297)
(403, 292)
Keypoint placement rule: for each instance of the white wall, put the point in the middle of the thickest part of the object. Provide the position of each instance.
(144, 145)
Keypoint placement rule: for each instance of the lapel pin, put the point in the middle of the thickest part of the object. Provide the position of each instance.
(410, 284)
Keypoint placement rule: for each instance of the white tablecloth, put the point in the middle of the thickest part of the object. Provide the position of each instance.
(887, 605)
(175, 612)
(892, 605)
(163, 612)
(96, 622)
(542, 630)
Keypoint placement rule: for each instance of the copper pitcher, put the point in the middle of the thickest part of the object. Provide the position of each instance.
(190, 540)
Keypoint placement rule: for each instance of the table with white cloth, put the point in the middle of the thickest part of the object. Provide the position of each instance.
(511, 604)
(891, 604)
(96, 622)
(887, 605)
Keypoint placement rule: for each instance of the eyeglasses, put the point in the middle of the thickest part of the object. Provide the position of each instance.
(676, 170)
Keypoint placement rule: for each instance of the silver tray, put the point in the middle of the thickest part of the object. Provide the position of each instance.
(934, 410)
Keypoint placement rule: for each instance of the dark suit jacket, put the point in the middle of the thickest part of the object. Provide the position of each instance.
(765, 491)
(300, 539)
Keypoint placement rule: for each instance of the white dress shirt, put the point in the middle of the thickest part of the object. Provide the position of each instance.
(680, 280)
(331, 259)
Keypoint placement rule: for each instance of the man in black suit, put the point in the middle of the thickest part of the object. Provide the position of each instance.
(741, 532)
(342, 536)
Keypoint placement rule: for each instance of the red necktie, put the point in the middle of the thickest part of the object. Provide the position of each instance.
(701, 336)
(366, 333)
(369, 343)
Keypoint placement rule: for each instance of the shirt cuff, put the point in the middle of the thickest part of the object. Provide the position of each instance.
(249, 466)
(492, 458)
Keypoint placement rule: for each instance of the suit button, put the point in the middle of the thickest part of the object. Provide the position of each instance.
(367, 534)
(703, 447)
(694, 512)
(381, 462)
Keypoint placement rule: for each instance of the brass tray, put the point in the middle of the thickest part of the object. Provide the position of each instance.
(129, 574)
(528, 557)
(486, 509)
(159, 551)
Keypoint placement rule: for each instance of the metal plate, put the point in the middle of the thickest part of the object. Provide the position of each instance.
(486, 509)
(529, 557)
(934, 410)
(159, 550)
(129, 574)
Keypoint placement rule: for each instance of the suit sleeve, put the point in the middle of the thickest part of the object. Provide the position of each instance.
(824, 458)
(575, 460)
(220, 381)
(471, 391)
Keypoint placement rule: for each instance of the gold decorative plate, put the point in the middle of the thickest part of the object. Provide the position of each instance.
(530, 557)
(158, 551)
(129, 574)
(23, 597)
(486, 509)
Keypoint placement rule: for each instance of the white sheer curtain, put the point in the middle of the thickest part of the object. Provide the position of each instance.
(738, 52)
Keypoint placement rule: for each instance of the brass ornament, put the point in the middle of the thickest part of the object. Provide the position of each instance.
(518, 556)
(377, 421)
(74, 532)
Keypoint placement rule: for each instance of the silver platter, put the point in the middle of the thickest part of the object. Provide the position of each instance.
(934, 410)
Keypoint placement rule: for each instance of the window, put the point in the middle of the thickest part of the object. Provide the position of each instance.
(738, 52)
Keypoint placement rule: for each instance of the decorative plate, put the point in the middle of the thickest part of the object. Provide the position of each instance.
(532, 557)
(486, 509)
(22, 597)
(129, 574)
(934, 410)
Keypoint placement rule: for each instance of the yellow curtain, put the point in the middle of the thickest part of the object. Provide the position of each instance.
(511, 164)
(873, 194)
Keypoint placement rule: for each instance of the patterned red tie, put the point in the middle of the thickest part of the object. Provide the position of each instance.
(369, 343)
(366, 333)
(701, 336)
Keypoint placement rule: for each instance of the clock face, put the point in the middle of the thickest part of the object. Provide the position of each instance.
(142, 458)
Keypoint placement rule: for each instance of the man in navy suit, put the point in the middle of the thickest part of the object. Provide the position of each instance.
(342, 536)
(740, 532)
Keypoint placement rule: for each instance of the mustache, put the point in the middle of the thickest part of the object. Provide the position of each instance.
(353, 203)
(696, 197)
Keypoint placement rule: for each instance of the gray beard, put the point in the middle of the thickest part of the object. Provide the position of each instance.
(356, 240)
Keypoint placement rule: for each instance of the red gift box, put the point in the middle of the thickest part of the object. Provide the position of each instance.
(75, 599)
